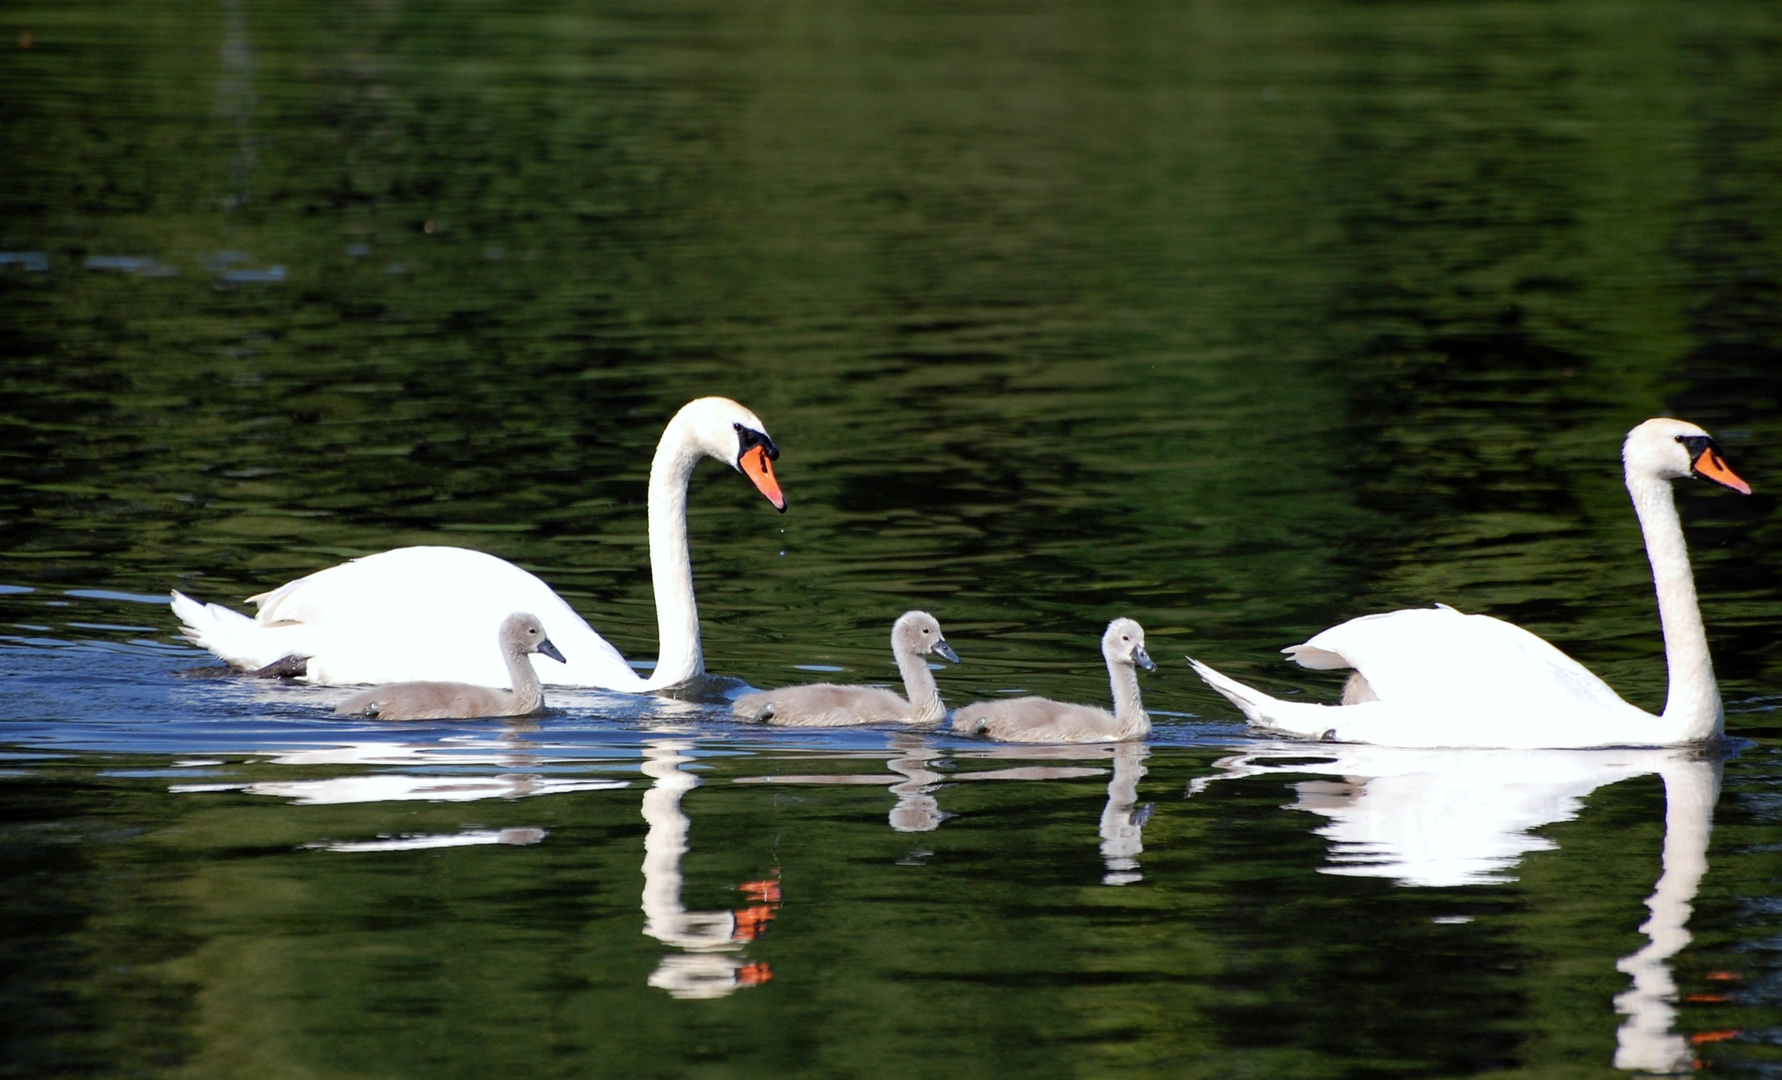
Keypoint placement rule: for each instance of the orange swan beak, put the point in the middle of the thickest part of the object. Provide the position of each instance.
(1709, 465)
(758, 468)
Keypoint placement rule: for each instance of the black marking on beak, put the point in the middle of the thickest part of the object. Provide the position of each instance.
(945, 652)
(551, 651)
(1143, 659)
(1695, 444)
(1705, 463)
(747, 438)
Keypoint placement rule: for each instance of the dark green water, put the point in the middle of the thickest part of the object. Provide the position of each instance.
(1237, 319)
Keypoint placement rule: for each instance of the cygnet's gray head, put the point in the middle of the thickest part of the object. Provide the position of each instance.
(1675, 449)
(525, 634)
(919, 633)
(1124, 643)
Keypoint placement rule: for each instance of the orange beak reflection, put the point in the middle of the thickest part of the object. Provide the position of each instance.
(755, 465)
(1711, 466)
(753, 974)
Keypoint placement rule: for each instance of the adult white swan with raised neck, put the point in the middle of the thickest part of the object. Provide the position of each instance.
(1433, 677)
(427, 613)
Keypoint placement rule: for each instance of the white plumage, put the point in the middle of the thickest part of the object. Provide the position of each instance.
(1434, 677)
(428, 613)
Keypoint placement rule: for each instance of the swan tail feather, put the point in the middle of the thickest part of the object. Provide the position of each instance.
(229, 635)
(1253, 703)
(1263, 711)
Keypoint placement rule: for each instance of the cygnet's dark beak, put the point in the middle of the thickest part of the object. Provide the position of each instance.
(1143, 659)
(550, 650)
(945, 651)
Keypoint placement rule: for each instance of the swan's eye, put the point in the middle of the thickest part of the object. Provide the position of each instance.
(927, 631)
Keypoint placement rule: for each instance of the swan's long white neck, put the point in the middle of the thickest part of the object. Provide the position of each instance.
(1692, 708)
(919, 686)
(1128, 709)
(678, 656)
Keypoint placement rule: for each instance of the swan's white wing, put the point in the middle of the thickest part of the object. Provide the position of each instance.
(1444, 679)
(420, 613)
(1439, 657)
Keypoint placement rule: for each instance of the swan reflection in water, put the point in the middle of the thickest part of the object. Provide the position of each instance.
(709, 963)
(1463, 817)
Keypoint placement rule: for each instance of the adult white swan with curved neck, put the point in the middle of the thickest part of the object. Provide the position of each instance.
(1434, 677)
(427, 613)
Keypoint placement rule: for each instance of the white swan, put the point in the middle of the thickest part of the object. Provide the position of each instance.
(1437, 678)
(425, 613)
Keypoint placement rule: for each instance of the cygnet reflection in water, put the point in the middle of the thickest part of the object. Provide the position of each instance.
(914, 637)
(1441, 818)
(1042, 720)
(1123, 819)
(917, 809)
(915, 774)
(520, 636)
(909, 778)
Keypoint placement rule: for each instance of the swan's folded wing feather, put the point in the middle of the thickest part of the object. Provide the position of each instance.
(1440, 656)
(232, 636)
(418, 613)
(409, 584)
(1310, 656)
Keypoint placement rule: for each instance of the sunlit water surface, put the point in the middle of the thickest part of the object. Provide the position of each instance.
(1239, 320)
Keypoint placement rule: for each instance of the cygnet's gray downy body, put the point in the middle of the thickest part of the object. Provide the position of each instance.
(1042, 720)
(915, 636)
(520, 636)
